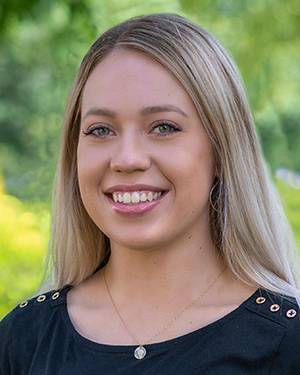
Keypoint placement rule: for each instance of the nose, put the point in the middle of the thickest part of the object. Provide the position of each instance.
(130, 155)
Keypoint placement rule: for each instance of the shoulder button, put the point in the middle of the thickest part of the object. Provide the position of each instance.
(55, 295)
(260, 300)
(41, 298)
(291, 313)
(23, 304)
(275, 308)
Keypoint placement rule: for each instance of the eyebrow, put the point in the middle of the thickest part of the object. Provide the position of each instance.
(99, 112)
(165, 108)
(144, 112)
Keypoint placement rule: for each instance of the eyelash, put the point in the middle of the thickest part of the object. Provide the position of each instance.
(94, 128)
(173, 129)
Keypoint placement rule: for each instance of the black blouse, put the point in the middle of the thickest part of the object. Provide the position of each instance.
(262, 336)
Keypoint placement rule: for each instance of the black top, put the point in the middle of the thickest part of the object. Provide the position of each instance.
(262, 336)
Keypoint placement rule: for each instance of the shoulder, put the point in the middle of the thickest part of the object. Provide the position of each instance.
(270, 315)
(33, 309)
(280, 309)
(23, 327)
(278, 319)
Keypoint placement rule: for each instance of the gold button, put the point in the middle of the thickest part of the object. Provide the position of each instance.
(274, 308)
(23, 304)
(260, 300)
(291, 313)
(41, 298)
(55, 295)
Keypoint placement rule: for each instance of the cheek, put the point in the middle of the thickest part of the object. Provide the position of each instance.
(83, 169)
(89, 178)
(89, 169)
(90, 155)
(194, 166)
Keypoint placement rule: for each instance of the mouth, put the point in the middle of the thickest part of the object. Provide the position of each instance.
(135, 200)
(132, 198)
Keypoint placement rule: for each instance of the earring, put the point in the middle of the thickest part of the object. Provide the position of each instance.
(210, 196)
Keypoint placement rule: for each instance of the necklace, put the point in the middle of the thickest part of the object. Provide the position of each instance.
(140, 351)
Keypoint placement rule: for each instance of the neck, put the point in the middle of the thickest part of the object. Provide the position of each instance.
(184, 271)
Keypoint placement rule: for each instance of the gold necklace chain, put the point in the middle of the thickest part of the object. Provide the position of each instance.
(140, 352)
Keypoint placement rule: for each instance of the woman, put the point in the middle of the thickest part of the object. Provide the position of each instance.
(171, 254)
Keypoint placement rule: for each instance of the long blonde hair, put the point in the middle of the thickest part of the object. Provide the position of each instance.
(249, 227)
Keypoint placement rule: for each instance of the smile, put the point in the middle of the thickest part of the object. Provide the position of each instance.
(135, 197)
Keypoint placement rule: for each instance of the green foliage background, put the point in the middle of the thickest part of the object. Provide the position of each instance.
(41, 45)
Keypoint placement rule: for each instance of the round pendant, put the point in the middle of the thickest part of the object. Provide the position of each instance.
(140, 352)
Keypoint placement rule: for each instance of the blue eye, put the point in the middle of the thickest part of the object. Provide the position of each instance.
(98, 132)
(164, 129)
(101, 131)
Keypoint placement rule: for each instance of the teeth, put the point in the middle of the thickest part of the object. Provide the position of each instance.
(135, 197)
(126, 198)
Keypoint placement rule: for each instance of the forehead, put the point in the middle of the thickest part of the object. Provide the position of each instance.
(124, 76)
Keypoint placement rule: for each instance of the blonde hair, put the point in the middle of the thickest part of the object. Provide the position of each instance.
(249, 228)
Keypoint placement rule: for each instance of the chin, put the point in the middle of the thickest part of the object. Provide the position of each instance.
(141, 243)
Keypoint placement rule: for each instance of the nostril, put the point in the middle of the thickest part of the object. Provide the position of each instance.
(129, 161)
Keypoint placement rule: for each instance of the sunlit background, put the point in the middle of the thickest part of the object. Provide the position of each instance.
(41, 45)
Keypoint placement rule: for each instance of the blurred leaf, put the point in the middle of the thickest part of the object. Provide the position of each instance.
(23, 243)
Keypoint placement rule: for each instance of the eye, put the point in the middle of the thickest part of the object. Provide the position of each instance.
(98, 131)
(165, 128)
(101, 131)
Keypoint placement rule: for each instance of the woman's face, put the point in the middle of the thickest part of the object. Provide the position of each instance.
(145, 161)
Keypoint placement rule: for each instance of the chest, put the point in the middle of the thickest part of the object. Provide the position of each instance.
(235, 347)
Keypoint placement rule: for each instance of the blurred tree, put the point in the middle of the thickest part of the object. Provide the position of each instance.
(23, 244)
(264, 38)
(42, 43)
